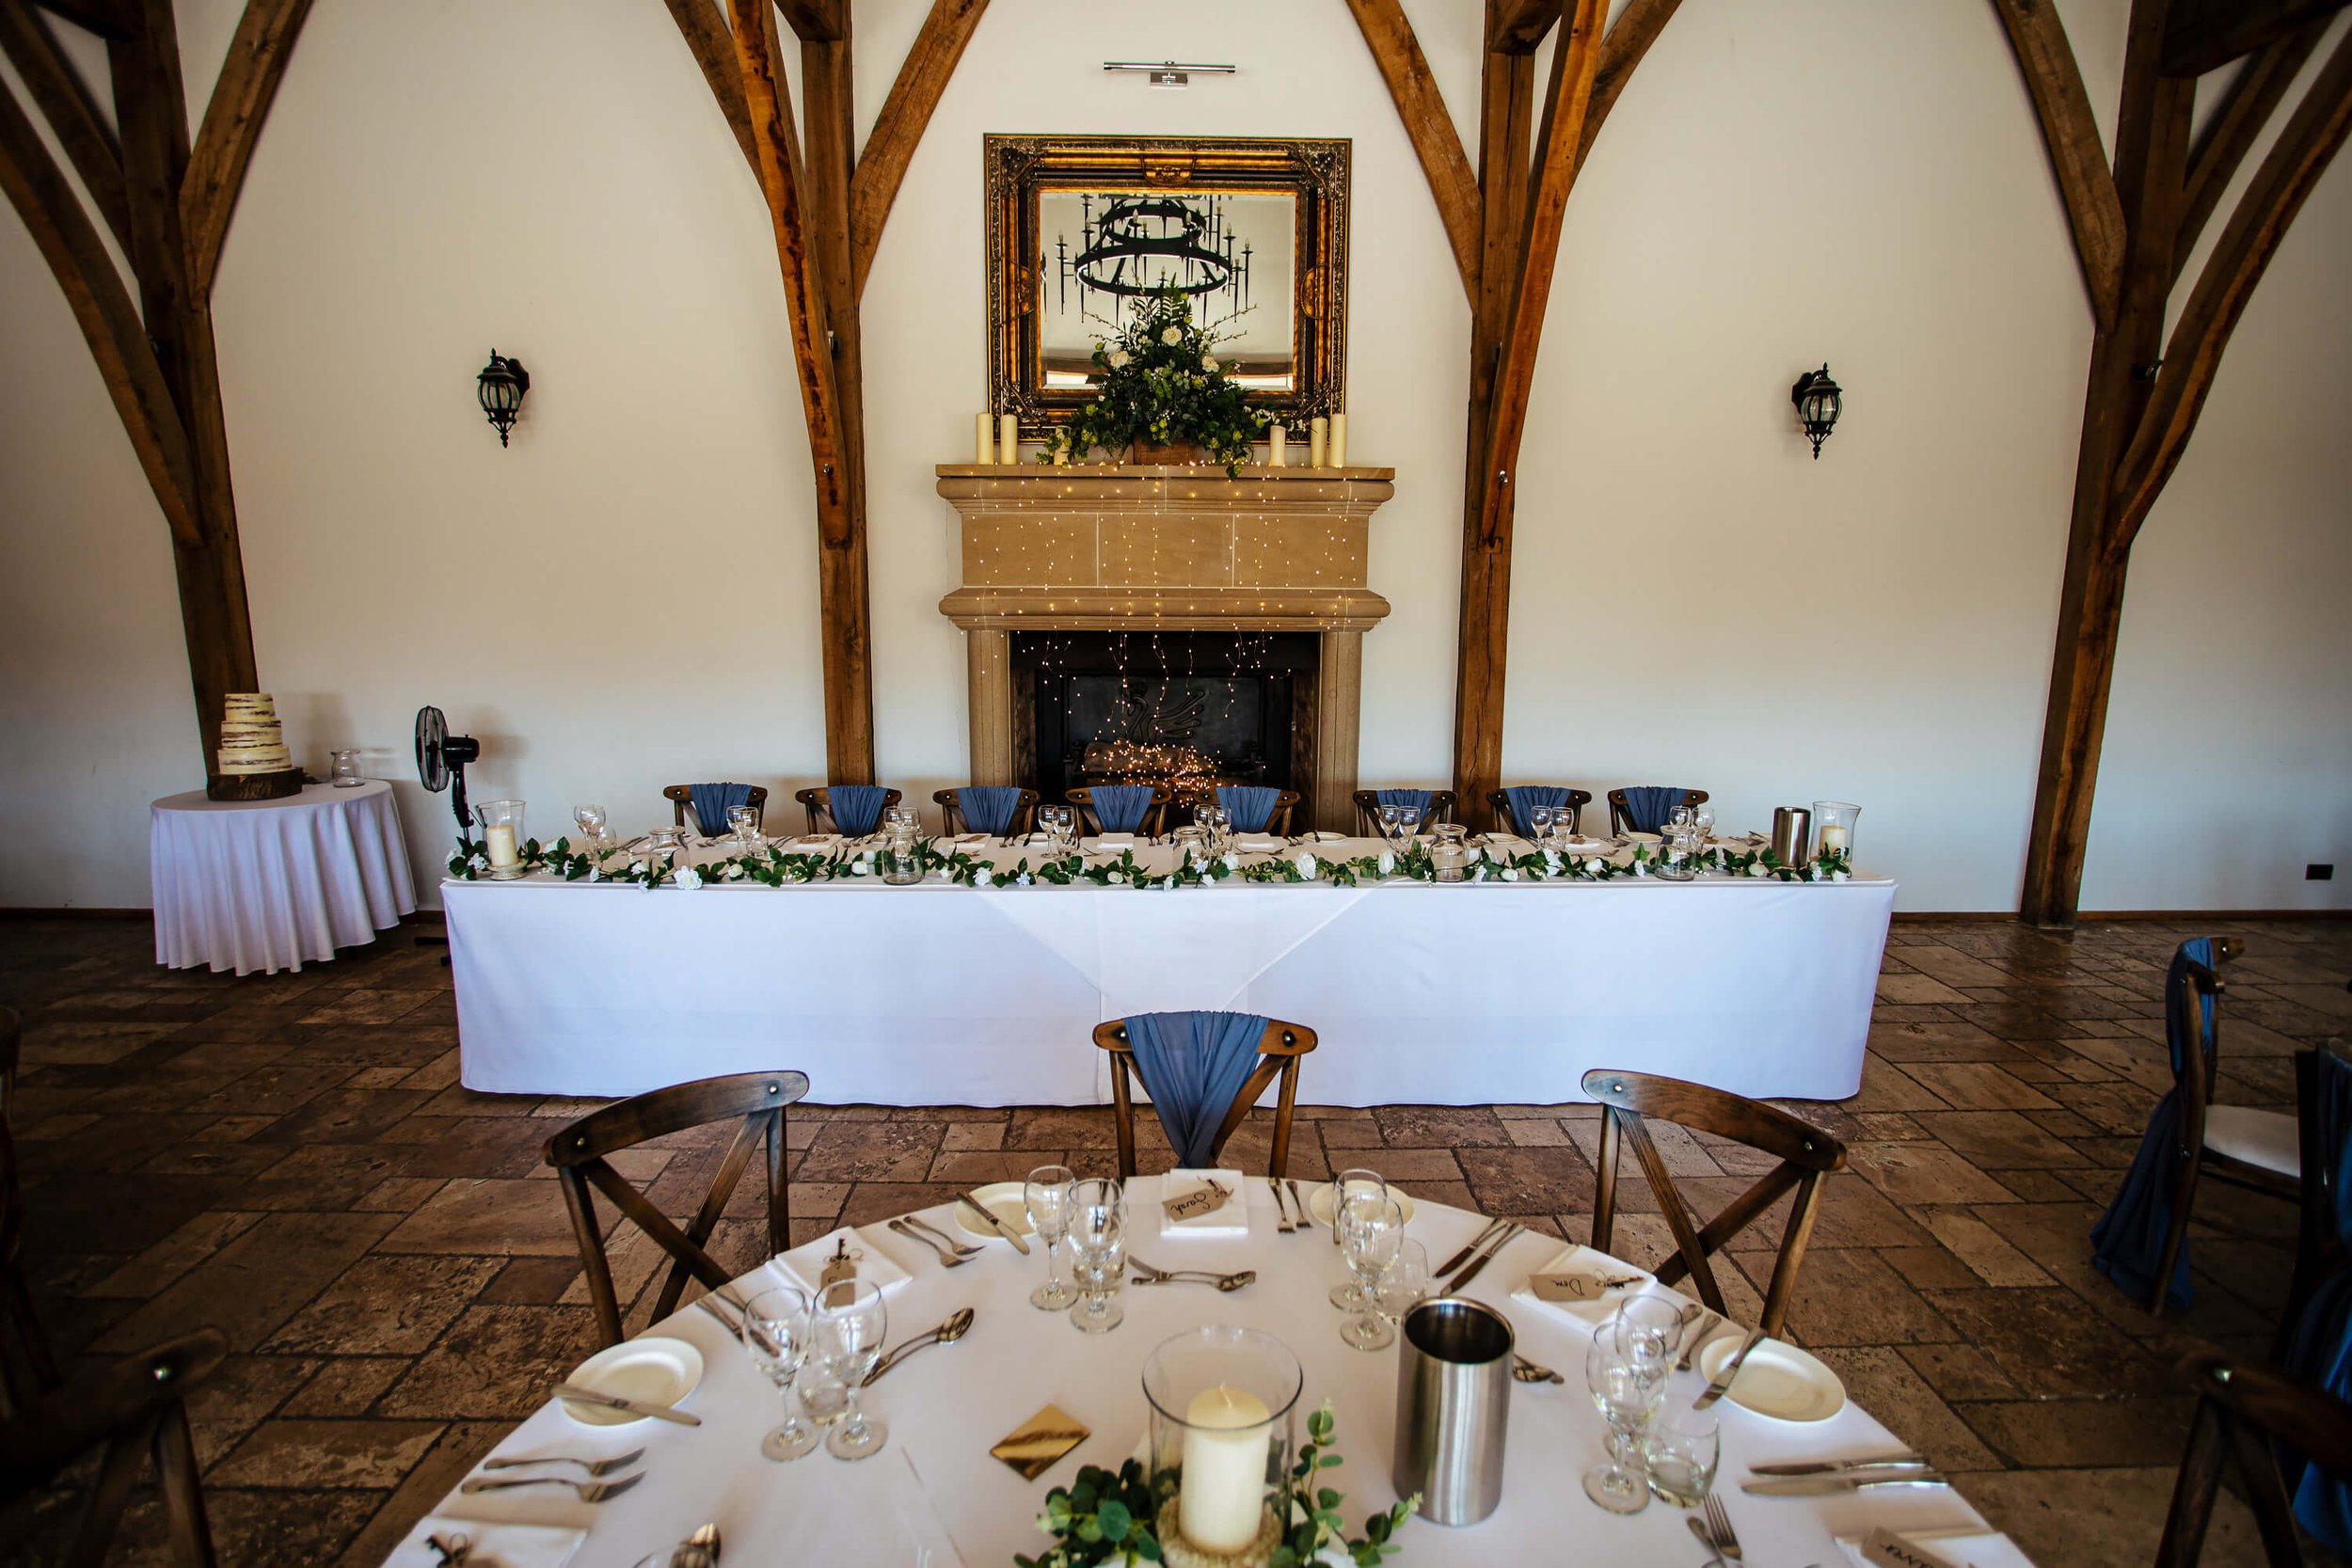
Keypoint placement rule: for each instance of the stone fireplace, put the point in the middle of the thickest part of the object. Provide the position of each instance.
(1166, 611)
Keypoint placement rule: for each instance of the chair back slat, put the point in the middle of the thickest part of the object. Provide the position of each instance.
(1278, 1051)
(682, 796)
(818, 802)
(1153, 822)
(577, 1153)
(1442, 807)
(953, 821)
(1502, 804)
(2246, 1413)
(1805, 1152)
(1624, 818)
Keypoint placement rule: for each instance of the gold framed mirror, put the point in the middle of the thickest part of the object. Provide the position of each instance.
(1080, 226)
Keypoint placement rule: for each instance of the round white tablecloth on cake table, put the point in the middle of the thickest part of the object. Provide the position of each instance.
(262, 885)
(934, 1487)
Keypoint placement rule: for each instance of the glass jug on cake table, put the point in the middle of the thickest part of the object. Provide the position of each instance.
(344, 773)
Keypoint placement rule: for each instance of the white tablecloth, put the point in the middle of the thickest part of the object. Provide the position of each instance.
(945, 995)
(946, 1405)
(249, 885)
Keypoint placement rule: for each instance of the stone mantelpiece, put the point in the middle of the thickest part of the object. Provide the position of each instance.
(1114, 547)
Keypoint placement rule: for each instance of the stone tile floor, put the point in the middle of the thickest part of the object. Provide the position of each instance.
(290, 1159)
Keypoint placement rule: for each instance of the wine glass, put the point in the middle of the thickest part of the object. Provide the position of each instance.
(1407, 824)
(1219, 825)
(742, 821)
(1540, 822)
(1627, 1385)
(1098, 1241)
(847, 1340)
(591, 820)
(1680, 1451)
(1346, 1295)
(1703, 822)
(1371, 1227)
(1653, 1324)
(776, 1330)
(1048, 1196)
(1389, 816)
(1404, 1285)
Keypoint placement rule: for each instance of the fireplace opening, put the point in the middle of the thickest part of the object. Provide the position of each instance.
(1189, 709)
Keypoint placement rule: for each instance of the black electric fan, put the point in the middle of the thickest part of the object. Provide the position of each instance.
(441, 759)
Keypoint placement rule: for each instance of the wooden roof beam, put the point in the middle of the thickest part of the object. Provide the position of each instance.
(815, 20)
(1437, 143)
(1520, 27)
(112, 19)
(881, 169)
(66, 102)
(707, 37)
(2071, 135)
(2256, 95)
(1628, 42)
(232, 124)
(2206, 35)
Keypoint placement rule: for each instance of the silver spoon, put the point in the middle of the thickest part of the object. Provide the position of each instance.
(1147, 1275)
(946, 1259)
(1527, 1371)
(955, 1327)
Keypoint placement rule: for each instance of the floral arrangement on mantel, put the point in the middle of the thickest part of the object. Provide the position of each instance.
(1162, 386)
(1102, 1518)
(776, 868)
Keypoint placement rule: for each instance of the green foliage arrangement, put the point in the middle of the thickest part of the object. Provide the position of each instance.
(1162, 382)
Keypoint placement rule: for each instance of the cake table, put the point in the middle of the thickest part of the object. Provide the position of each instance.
(262, 886)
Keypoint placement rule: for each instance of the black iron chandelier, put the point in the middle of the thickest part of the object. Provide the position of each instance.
(1143, 243)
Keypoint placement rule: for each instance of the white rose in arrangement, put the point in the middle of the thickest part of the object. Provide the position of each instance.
(1641, 868)
(595, 873)
(1118, 359)
(1306, 867)
(1552, 859)
(688, 878)
(1172, 335)
(734, 872)
(1115, 880)
(1208, 363)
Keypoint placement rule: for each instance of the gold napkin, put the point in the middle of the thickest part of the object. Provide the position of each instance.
(1032, 1447)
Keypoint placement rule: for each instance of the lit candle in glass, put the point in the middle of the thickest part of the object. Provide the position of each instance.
(1221, 1503)
(500, 839)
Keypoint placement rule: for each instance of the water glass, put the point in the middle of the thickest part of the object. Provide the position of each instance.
(1048, 1194)
(1653, 1325)
(1218, 823)
(1539, 820)
(591, 820)
(1406, 1283)
(1371, 1229)
(1098, 1244)
(1627, 1387)
(1703, 823)
(1407, 824)
(1348, 1183)
(1389, 818)
(1680, 1451)
(345, 770)
(849, 1322)
(776, 1332)
(743, 822)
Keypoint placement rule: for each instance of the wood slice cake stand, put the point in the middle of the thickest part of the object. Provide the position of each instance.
(254, 786)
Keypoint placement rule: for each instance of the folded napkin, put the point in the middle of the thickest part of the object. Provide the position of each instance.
(1965, 1547)
(805, 1266)
(492, 1546)
(814, 841)
(1230, 1220)
(1115, 840)
(1257, 843)
(1588, 1271)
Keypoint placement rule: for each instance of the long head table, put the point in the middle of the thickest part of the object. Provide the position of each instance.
(949, 995)
(947, 1405)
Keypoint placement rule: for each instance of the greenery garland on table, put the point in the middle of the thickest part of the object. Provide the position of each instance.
(1103, 1518)
(1161, 381)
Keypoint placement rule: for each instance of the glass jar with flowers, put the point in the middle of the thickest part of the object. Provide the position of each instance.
(1163, 395)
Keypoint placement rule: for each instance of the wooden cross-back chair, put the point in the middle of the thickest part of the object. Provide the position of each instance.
(577, 1153)
(2320, 1251)
(818, 802)
(1499, 802)
(12, 1042)
(1278, 1051)
(1806, 1154)
(2244, 1412)
(1442, 805)
(27, 1369)
(951, 812)
(1277, 816)
(136, 1408)
(682, 796)
(1154, 814)
(1621, 815)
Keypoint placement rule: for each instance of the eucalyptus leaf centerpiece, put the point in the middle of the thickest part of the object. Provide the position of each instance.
(1164, 393)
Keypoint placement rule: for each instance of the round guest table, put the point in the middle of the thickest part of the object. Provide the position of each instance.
(934, 1495)
(262, 885)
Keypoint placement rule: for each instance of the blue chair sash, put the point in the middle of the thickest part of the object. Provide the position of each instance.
(1648, 807)
(1252, 805)
(1416, 799)
(1523, 799)
(711, 801)
(1119, 807)
(855, 807)
(1193, 1065)
(988, 808)
(2319, 1349)
(2127, 1243)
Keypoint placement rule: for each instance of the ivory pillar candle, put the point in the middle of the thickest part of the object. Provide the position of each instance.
(1339, 442)
(1317, 434)
(983, 439)
(499, 838)
(1831, 840)
(1221, 1500)
(1278, 447)
(1009, 439)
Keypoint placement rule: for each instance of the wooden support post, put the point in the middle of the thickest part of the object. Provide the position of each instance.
(899, 129)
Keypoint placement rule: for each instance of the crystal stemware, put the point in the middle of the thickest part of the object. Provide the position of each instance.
(1098, 1241)
(1346, 1295)
(1539, 820)
(1048, 1193)
(846, 1339)
(776, 1331)
(591, 821)
(1372, 1228)
(1680, 1451)
(1628, 1385)
(1407, 824)
(743, 822)
(1404, 1285)
(1389, 818)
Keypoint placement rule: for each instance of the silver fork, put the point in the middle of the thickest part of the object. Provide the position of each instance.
(594, 1467)
(590, 1491)
(1718, 1525)
(958, 1248)
(1280, 1211)
(946, 1259)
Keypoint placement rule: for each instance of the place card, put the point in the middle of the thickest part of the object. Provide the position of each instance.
(1577, 1287)
(1883, 1548)
(1584, 1286)
(1198, 1203)
(1032, 1447)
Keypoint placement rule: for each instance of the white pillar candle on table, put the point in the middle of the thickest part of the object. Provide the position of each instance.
(1831, 840)
(983, 439)
(1278, 447)
(1009, 439)
(1317, 433)
(1221, 1502)
(1339, 442)
(499, 838)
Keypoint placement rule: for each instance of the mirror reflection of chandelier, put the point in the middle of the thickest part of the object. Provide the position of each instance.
(1143, 243)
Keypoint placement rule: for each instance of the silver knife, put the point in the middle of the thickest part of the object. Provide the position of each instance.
(1494, 1248)
(1832, 1467)
(1819, 1486)
(1007, 1233)
(635, 1407)
(1472, 1245)
(1721, 1385)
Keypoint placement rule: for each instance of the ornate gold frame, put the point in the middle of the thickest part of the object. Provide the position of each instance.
(1018, 167)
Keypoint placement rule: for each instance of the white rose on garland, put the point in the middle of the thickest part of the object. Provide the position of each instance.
(982, 876)
(1233, 862)
(1387, 863)
(688, 878)
(1306, 867)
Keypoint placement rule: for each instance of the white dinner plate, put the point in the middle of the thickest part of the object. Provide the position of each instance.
(1319, 1203)
(655, 1371)
(1777, 1380)
(1007, 1200)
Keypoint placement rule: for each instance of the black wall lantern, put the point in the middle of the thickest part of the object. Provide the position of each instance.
(504, 383)
(1817, 399)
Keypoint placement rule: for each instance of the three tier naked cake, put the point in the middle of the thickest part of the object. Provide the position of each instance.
(253, 762)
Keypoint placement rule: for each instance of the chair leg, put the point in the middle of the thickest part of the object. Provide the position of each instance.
(2184, 1197)
(2193, 1494)
(183, 1494)
(1123, 1116)
(594, 1265)
(1605, 1196)
(1282, 1162)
